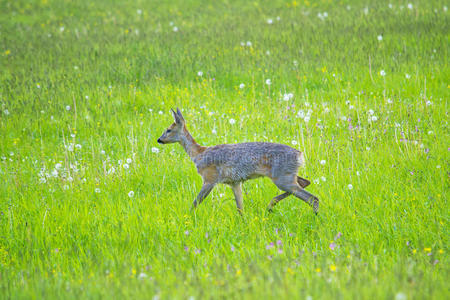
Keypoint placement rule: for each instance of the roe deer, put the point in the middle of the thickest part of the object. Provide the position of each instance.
(234, 163)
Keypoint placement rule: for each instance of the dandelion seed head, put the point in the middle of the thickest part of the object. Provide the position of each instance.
(400, 296)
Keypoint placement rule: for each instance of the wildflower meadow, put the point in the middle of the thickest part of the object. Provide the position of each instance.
(91, 206)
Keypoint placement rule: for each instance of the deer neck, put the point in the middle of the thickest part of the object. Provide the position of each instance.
(191, 147)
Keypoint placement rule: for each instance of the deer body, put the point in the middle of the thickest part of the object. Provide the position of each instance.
(233, 164)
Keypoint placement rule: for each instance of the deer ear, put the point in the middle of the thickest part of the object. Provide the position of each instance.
(180, 115)
(175, 116)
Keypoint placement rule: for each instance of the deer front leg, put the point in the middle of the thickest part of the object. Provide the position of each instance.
(204, 192)
(237, 191)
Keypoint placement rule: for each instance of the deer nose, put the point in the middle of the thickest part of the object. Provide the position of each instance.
(159, 141)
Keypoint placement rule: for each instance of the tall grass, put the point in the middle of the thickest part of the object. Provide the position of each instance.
(91, 206)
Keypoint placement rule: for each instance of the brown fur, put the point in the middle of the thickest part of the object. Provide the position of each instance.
(233, 164)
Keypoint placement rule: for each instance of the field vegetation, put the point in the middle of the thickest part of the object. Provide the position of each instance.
(92, 207)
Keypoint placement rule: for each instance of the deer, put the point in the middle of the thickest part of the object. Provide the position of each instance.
(232, 164)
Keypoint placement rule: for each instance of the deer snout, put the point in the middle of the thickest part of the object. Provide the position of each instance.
(159, 141)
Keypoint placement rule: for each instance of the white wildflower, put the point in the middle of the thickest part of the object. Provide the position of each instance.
(268, 82)
(200, 73)
(400, 296)
(294, 142)
(350, 186)
(380, 38)
(155, 150)
(111, 171)
(68, 107)
(269, 21)
(241, 86)
(131, 194)
(323, 162)
(382, 73)
(232, 121)
(97, 190)
(129, 160)
(175, 29)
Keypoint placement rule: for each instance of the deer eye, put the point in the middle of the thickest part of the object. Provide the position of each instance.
(169, 130)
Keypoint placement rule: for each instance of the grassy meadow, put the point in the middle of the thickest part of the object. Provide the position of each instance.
(92, 207)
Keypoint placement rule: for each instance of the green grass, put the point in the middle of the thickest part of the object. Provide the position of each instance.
(81, 77)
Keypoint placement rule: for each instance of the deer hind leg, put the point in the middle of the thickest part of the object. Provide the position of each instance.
(288, 183)
(301, 181)
(237, 191)
(277, 199)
